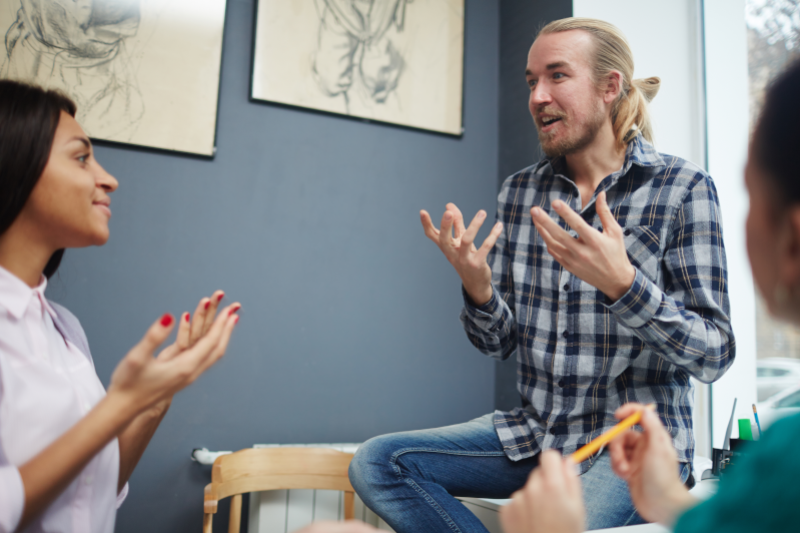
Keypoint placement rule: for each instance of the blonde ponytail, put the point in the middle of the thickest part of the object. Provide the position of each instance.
(629, 113)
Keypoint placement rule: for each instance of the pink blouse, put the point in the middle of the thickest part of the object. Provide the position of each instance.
(46, 385)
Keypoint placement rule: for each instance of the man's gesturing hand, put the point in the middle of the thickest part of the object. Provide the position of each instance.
(457, 244)
(598, 258)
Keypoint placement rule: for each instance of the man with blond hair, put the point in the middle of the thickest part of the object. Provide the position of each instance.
(605, 273)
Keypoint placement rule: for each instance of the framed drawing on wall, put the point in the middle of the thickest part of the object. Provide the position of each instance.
(143, 72)
(395, 61)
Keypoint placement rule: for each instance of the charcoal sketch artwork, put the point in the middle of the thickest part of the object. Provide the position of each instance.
(78, 46)
(354, 45)
(392, 61)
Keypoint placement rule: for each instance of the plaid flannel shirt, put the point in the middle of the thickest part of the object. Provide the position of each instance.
(580, 356)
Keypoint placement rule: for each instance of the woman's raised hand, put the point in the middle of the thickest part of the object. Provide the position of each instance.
(142, 380)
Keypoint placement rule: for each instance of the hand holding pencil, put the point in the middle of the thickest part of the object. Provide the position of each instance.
(645, 460)
(648, 463)
(553, 491)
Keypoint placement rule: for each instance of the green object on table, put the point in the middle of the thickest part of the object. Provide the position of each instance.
(745, 431)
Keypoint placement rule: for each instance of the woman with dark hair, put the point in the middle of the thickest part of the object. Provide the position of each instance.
(761, 494)
(68, 447)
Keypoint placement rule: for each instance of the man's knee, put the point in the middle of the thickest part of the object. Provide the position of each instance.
(372, 463)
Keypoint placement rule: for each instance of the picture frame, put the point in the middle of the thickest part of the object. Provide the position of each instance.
(399, 62)
(142, 72)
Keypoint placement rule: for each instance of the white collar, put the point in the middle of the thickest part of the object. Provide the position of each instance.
(15, 295)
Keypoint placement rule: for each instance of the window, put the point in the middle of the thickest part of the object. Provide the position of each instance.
(773, 40)
(793, 400)
(772, 372)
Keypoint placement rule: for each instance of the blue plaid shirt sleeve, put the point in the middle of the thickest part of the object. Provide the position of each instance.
(491, 327)
(687, 322)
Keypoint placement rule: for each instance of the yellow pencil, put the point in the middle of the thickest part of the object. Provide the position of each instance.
(587, 451)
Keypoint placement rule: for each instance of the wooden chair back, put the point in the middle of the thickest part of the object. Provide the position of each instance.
(257, 469)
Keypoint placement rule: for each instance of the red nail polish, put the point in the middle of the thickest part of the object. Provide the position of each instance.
(207, 304)
(166, 320)
(220, 297)
(234, 309)
(187, 317)
(236, 320)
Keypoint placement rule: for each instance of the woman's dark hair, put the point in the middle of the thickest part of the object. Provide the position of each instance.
(28, 120)
(775, 146)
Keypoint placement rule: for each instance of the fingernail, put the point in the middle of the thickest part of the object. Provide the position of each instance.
(234, 309)
(208, 303)
(166, 320)
(186, 317)
(536, 211)
(220, 297)
(236, 320)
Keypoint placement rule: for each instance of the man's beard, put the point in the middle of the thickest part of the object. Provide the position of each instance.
(571, 143)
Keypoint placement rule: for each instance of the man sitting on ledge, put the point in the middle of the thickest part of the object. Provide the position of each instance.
(605, 273)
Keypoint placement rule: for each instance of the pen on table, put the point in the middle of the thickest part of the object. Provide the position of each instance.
(755, 414)
(586, 451)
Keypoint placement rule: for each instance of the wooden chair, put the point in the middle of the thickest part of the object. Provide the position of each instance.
(257, 469)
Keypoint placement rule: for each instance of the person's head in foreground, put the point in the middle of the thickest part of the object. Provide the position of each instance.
(552, 501)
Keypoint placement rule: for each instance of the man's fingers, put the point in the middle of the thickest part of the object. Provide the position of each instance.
(607, 219)
(427, 225)
(458, 219)
(554, 247)
(575, 221)
(446, 232)
(468, 237)
(557, 233)
(490, 241)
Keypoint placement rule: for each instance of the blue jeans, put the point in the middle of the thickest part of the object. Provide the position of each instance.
(411, 479)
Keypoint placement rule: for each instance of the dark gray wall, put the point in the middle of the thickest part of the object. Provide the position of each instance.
(349, 324)
(519, 22)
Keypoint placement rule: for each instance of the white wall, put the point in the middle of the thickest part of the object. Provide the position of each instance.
(668, 38)
(664, 37)
(727, 103)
